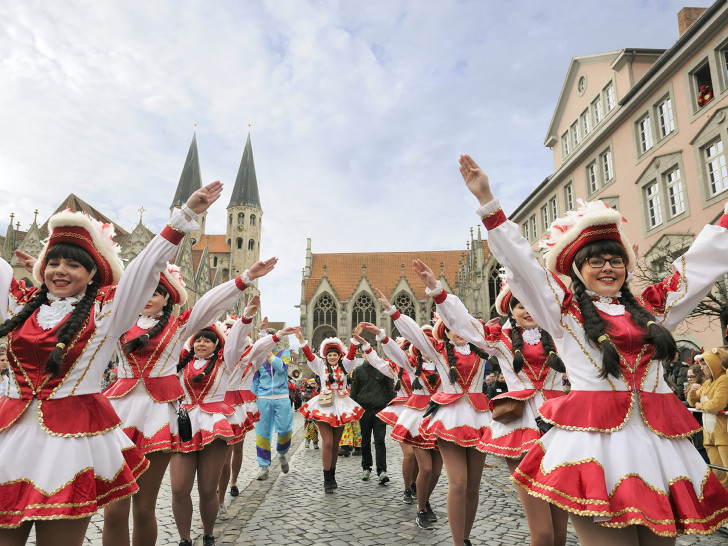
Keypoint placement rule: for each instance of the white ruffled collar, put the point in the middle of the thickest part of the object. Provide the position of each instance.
(607, 304)
(532, 336)
(145, 322)
(49, 316)
(199, 363)
(462, 349)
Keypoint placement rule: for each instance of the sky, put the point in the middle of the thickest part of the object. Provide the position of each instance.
(357, 111)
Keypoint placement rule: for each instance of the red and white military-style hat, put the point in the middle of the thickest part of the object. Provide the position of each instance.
(171, 279)
(80, 229)
(332, 344)
(503, 300)
(592, 221)
(218, 329)
(438, 329)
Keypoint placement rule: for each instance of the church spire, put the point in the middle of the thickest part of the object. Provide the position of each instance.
(245, 192)
(191, 178)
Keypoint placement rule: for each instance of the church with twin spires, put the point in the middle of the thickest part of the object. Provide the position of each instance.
(205, 260)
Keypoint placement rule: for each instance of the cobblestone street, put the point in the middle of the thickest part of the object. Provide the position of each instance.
(292, 508)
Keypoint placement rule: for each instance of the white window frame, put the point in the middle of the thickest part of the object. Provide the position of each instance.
(569, 200)
(585, 123)
(644, 134)
(533, 227)
(653, 202)
(597, 113)
(545, 217)
(526, 233)
(565, 144)
(574, 131)
(592, 177)
(663, 193)
(553, 209)
(674, 192)
(607, 166)
(665, 117)
(715, 163)
(610, 98)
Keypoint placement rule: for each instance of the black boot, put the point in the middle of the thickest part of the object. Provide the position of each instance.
(333, 478)
(328, 482)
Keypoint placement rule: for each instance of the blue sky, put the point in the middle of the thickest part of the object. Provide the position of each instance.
(358, 110)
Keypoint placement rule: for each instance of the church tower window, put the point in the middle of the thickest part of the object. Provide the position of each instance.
(241, 218)
(240, 243)
(404, 304)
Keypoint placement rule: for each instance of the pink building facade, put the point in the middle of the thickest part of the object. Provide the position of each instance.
(645, 130)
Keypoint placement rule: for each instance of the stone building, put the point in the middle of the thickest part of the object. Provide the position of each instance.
(337, 289)
(205, 260)
(644, 130)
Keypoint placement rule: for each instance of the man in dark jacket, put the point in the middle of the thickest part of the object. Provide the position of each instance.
(372, 391)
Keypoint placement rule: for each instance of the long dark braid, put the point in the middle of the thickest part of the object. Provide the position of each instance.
(657, 335)
(594, 328)
(452, 373)
(517, 344)
(41, 296)
(398, 384)
(71, 327)
(553, 360)
(142, 341)
(210, 366)
(416, 384)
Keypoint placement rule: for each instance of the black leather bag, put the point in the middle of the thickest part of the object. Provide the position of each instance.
(184, 424)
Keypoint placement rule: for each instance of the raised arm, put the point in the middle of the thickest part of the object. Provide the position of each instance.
(451, 310)
(409, 328)
(391, 349)
(314, 362)
(536, 288)
(225, 296)
(141, 276)
(266, 344)
(375, 360)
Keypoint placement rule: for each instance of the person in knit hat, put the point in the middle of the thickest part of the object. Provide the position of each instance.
(710, 398)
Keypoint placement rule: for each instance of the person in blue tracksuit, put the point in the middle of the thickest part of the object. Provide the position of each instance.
(270, 385)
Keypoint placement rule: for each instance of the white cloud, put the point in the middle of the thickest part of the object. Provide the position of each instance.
(358, 110)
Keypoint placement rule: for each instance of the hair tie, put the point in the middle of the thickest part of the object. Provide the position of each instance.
(601, 339)
(517, 351)
(650, 322)
(60, 345)
(551, 353)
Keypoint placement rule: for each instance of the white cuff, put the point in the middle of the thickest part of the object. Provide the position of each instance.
(354, 342)
(245, 278)
(435, 291)
(366, 347)
(251, 317)
(391, 312)
(381, 335)
(305, 342)
(189, 212)
(488, 208)
(178, 221)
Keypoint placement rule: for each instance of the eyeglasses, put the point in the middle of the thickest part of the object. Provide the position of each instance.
(597, 262)
(691, 377)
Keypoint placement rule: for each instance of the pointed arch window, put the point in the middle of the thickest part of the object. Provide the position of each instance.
(405, 305)
(324, 312)
(240, 243)
(364, 311)
(494, 281)
(251, 244)
(241, 218)
(252, 219)
(231, 219)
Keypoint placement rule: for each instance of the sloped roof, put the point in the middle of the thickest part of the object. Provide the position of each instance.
(383, 270)
(217, 243)
(76, 204)
(245, 192)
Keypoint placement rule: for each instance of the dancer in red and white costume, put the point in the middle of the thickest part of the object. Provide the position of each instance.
(146, 394)
(458, 416)
(332, 417)
(618, 457)
(61, 337)
(396, 368)
(528, 360)
(206, 369)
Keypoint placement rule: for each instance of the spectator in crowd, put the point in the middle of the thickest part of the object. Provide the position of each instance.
(4, 370)
(497, 387)
(696, 375)
(711, 398)
(372, 390)
(676, 375)
(488, 381)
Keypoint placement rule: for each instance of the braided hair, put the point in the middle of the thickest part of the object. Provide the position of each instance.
(657, 335)
(451, 362)
(78, 316)
(417, 384)
(329, 369)
(142, 341)
(398, 384)
(553, 360)
(207, 334)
